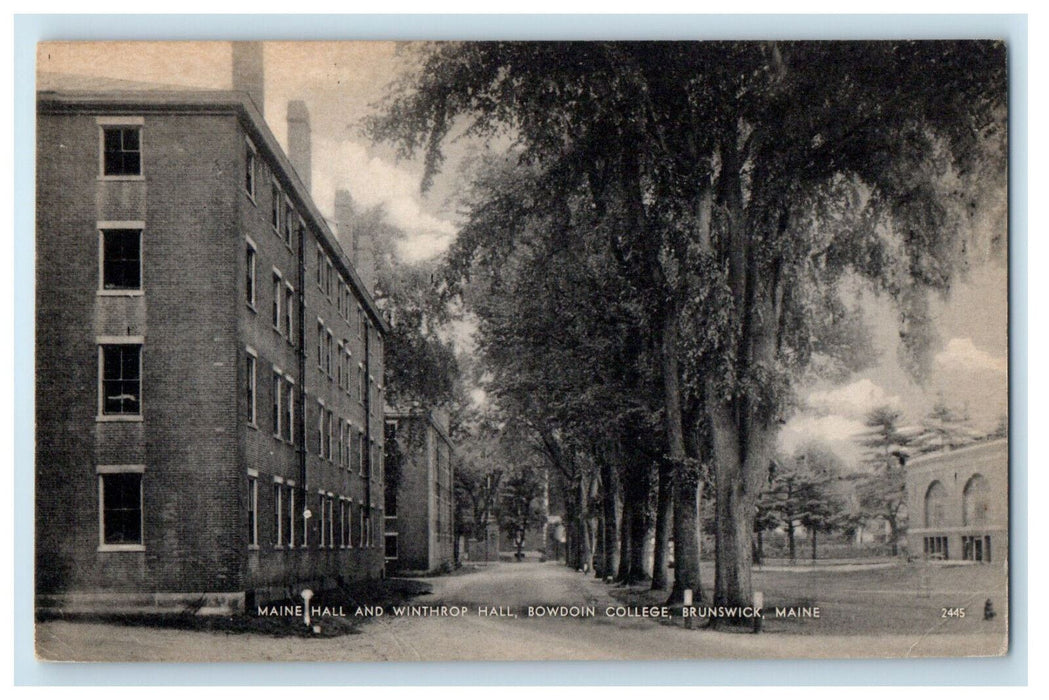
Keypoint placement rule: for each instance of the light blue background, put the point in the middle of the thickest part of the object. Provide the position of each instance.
(30, 29)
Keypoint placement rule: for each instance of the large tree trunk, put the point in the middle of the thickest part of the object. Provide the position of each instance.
(626, 526)
(610, 520)
(664, 521)
(688, 492)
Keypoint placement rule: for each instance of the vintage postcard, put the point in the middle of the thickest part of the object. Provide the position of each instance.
(469, 351)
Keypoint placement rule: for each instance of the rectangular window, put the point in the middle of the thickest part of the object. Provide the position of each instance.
(331, 521)
(249, 269)
(361, 449)
(289, 222)
(276, 208)
(291, 516)
(251, 377)
(253, 512)
(320, 268)
(320, 344)
(342, 441)
(339, 362)
(121, 259)
(327, 353)
(121, 151)
(278, 381)
(320, 430)
(360, 384)
(278, 514)
(278, 297)
(328, 279)
(288, 427)
(120, 495)
(361, 535)
(323, 525)
(330, 433)
(289, 316)
(121, 379)
(391, 545)
(249, 170)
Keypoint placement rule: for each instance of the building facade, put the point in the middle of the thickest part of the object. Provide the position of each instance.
(209, 367)
(420, 496)
(958, 503)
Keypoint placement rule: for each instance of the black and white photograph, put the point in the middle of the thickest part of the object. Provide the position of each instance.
(359, 351)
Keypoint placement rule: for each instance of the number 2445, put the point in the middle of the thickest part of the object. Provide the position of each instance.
(952, 612)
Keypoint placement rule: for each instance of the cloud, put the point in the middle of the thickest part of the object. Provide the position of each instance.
(852, 400)
(962, 355)
(835, 432)
(372, 181)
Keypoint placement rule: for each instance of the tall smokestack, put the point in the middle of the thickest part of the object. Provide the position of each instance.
(344, 216)
(299, 149)
(248, 72)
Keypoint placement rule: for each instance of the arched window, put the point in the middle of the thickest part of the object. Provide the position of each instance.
(936, 505)
(976, 501)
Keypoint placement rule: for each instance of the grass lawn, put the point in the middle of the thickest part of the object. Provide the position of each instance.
(897, 599)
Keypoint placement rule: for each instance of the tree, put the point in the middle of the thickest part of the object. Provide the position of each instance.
(743, 186)
(883, 492)
(520, 505)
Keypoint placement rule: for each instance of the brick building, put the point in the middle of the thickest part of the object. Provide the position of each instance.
(209, 425)
(958, 503)
(420, 496)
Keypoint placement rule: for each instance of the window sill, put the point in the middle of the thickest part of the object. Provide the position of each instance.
(253, 426)
(121, 548)
(120, 292)
(251, 198)
(119, 419)
(252, 308)
(121, 178)
(253, 548)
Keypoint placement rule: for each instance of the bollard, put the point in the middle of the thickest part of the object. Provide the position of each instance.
(759, 602)
(686, 609)
(988, 610)
(306, 595)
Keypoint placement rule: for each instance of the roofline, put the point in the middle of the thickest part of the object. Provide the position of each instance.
(216, 102)
(934, 456)
(426, 413)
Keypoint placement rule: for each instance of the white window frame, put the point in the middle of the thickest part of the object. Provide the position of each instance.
(277, 208)
(101, 341)
(251, 369)
(291, 514)
(278, 511)
(253, 506)
(253, 270)
(321, 507)
(320, 428)
(289, 413)
(103, 470)
(277, 285)
(121, 122)
(251, 164)
(277, 382)
(104, 226)
(289, 312)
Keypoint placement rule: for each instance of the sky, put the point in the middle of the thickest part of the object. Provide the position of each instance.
(340, 83)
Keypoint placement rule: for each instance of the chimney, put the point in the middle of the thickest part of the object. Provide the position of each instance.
(299, 142)
(344, 215)
(247, 71)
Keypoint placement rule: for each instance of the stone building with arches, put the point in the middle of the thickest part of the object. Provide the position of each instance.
(959, 503)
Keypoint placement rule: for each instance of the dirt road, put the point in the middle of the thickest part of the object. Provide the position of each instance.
(482, 628)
